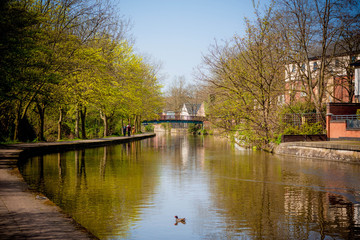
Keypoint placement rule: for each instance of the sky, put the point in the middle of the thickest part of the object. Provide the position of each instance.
(176, 33)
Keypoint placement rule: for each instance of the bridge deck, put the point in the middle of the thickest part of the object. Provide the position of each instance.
(177, 119)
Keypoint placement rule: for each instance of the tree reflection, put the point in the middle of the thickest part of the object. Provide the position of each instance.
(103, 163)
(80, 169)
(267, 198)
(229, 194)
(100, 187)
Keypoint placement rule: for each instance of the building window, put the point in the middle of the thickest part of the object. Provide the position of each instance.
(315, 66)
(353, 59)
(303, 67)
(281, 99)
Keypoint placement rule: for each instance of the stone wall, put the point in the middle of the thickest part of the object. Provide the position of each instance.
(328, 151)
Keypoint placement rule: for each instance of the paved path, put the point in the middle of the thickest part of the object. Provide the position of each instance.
(25, 215)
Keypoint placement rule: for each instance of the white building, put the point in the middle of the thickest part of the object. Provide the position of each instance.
(192, 110)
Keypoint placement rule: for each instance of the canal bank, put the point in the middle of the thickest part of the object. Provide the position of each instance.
(27, 215)
(341, 151)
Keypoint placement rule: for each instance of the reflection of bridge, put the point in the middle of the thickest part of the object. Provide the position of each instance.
(176, 119)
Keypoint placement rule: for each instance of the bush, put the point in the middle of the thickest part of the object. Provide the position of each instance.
(194, 128)
(149, 128)
(305, 129)
(166, 126)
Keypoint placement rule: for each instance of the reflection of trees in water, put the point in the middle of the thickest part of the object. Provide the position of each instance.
(187, 151)
(102, 188)
(259, 200)
(254, 195)
(103, 163)
(80, 169)
(40, 180)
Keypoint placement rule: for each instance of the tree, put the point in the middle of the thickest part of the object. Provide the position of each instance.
(178, 94)
(151, 97)
(246, 80)
(311, 30)
(349, 44)
(69, 57)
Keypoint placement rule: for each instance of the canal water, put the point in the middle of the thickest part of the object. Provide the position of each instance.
(134, 190)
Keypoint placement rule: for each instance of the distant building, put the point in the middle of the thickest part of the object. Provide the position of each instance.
(192, 110)
(169, 114)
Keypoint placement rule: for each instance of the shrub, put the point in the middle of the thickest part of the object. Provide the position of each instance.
(149, 128)
(194, 128)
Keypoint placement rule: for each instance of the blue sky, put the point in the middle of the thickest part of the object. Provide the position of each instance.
(177, 32)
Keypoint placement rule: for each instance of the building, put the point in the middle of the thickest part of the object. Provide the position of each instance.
(342, 119)
(190, 110)
(337, 83)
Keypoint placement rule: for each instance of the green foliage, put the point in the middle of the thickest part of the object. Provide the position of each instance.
(194, 128)
(205, 132)
(358, 113)
(246, 80)
(166, 126)
(149, 128)
(54, 56)
(304, 129)
(277, 140)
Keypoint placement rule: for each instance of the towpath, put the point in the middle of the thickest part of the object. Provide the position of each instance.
(28, 215)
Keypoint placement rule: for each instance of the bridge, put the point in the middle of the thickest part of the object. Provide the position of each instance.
(176, 119)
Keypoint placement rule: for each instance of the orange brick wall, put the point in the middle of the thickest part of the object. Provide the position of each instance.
(338, 130)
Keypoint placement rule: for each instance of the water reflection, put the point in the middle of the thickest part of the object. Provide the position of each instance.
(133, 191)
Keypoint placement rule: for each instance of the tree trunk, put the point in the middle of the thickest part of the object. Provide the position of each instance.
(18, 118)
(59, 123)
(83, 126)
(41, 110)
(77, 122)
(104, 118)
(135, 123)
(139, 124)
(17, 126)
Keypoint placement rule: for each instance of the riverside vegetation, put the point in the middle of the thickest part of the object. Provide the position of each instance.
(68, 70)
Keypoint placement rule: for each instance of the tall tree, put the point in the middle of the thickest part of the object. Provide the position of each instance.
(349, 45)
(311, 31)
(25, 69)
(178, 94)
(247, 79)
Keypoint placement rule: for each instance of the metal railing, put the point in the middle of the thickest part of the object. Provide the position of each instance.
(345, 117)
(352, 121)
(177, 117)
(298, 119)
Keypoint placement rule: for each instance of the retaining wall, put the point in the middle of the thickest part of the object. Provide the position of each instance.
(329, 151)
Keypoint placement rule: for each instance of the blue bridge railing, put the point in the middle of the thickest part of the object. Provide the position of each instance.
(176, 118)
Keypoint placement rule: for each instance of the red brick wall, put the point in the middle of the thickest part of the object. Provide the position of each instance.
(342, 108)
(340, 93)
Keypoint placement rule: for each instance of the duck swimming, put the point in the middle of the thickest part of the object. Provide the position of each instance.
(181, 220)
